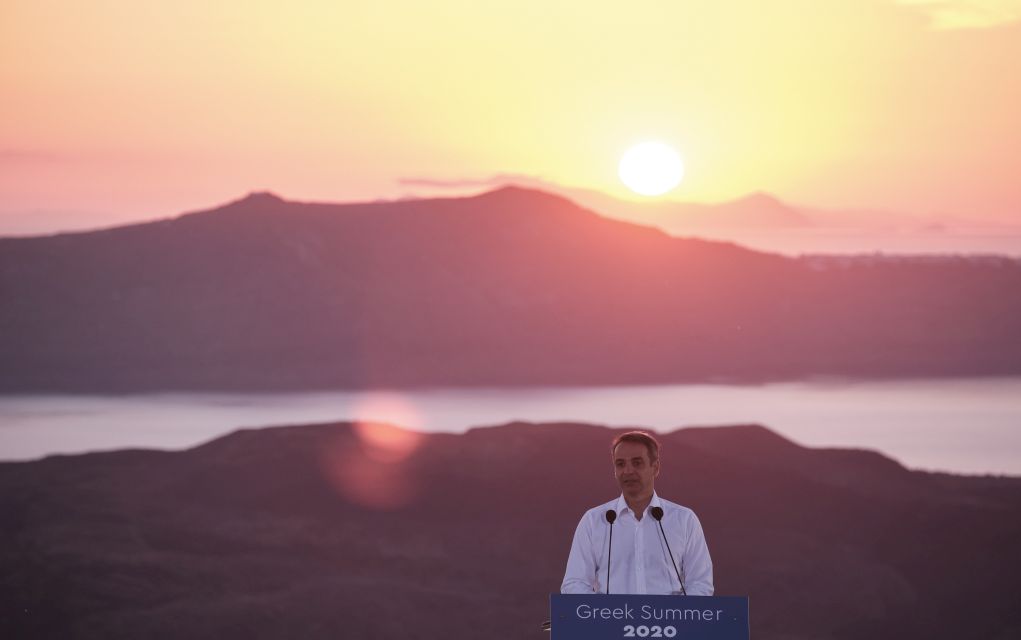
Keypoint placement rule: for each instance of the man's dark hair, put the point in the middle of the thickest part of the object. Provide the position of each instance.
(638, 437)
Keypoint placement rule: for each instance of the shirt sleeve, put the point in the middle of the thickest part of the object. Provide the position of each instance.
(698, 566)
(581, 563)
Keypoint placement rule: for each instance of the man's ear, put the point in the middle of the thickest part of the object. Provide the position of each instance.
(656, 464)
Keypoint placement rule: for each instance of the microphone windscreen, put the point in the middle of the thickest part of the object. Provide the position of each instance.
(611, 515)
(657, 513)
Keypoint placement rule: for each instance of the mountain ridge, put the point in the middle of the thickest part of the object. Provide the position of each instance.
(514, 287)
(311, 530)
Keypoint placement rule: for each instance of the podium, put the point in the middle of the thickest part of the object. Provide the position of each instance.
(615, 617)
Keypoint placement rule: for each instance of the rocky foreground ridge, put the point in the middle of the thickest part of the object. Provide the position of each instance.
(343, 530)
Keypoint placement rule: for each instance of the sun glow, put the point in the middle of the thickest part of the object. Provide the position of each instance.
(651, 169)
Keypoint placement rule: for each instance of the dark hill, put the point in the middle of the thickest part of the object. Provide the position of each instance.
(336, 530)
(513, 287)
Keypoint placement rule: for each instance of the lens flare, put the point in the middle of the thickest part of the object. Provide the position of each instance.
(371, 464)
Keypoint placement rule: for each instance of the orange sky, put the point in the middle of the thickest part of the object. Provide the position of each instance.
(134, 110)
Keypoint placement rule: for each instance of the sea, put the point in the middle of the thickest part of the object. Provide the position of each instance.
(958, 425)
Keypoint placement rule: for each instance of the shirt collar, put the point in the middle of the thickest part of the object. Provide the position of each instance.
(621, 505)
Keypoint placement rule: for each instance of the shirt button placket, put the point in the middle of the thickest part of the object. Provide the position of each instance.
(640, 586)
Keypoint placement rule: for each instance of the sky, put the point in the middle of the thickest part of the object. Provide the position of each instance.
(117, 110)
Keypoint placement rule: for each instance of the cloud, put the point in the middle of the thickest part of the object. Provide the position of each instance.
(499, 179)
(28, 155)
(967, 14)
(432, 183)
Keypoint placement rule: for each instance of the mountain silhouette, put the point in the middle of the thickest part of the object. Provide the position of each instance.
(765, 222)
(758, 211)
(512, 287)
(326, 531)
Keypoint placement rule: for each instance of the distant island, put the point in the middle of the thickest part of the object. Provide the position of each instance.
(514, 287)
(344, 530)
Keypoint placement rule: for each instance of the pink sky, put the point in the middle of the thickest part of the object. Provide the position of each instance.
(115, 110)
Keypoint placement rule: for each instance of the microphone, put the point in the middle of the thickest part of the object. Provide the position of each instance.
(611, 516)
(657, 513)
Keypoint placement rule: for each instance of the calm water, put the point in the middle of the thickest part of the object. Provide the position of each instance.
(962, 425)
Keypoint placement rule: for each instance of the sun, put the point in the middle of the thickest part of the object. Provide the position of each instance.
(651, 168)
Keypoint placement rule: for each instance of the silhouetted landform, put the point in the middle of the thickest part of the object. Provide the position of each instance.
(366, 531)
(513, 287)
(758, 211)
(749, 216)
(763, 222)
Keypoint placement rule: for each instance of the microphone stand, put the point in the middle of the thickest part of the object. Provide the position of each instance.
(611, 516)
(657, 513)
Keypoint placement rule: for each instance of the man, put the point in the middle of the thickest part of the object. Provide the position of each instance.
(639, 561)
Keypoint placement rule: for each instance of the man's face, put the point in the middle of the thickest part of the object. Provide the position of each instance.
(634, 472)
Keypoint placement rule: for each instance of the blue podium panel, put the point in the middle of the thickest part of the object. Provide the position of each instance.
(615, 617)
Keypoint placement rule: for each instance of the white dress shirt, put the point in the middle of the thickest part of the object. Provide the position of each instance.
(639, 562)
